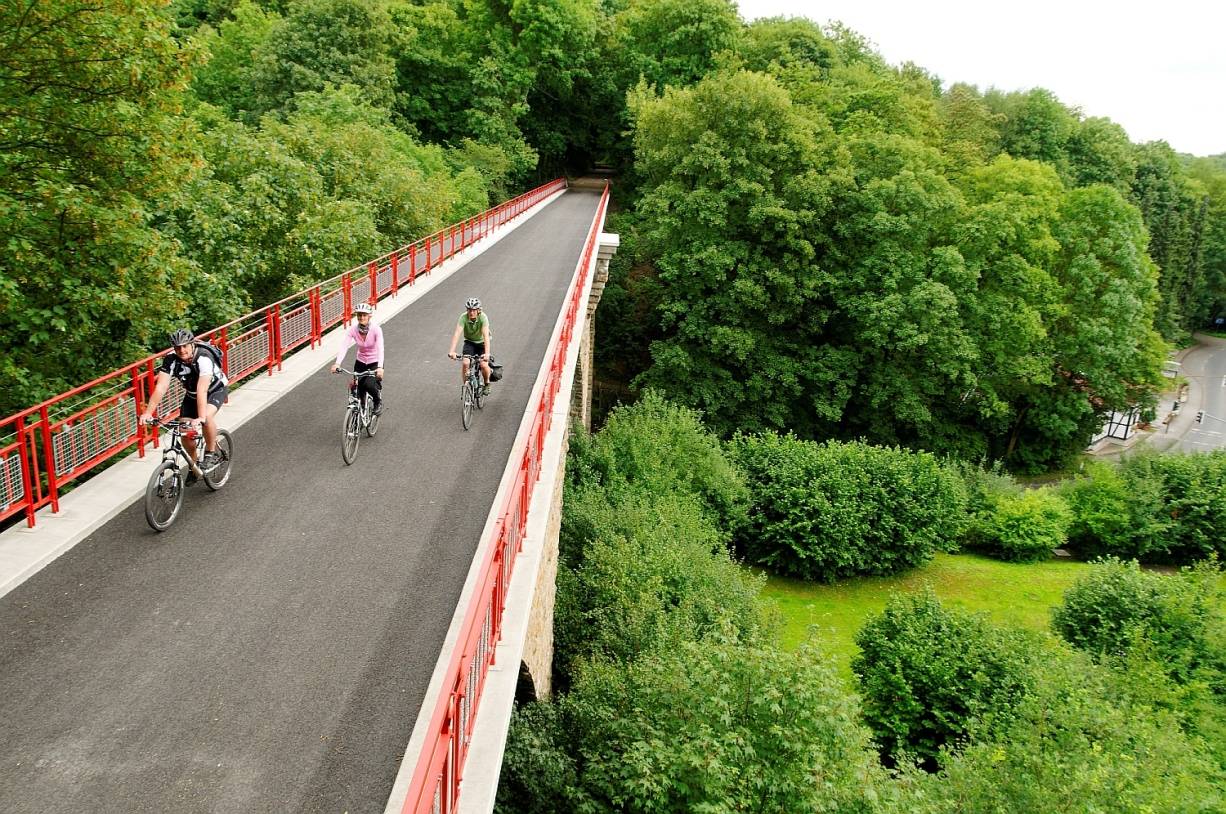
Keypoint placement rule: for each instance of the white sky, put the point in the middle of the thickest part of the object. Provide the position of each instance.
(1156, 69)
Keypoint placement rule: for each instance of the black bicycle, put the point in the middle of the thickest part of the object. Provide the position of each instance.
(472, 392)
(164, 494)
(359, 416)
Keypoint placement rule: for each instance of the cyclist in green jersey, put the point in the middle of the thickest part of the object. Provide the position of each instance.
(474, 325)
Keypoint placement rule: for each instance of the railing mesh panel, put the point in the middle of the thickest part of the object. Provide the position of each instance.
(295, 328)
(12, 489)
(332, 306)
(249, 352)
(92, 435)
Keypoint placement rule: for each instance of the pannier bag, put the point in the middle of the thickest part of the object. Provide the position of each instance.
(495, 370)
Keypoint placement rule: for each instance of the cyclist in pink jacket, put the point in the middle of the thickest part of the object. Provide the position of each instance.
(369, 339)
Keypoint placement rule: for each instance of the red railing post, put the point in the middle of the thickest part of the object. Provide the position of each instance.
(428, 247)
(270, 327)
(413, 264)
(395, 272)
(53, 481)
(317, 316)
(25, 456)
(138, 398)
(347, 297)
(372, 268)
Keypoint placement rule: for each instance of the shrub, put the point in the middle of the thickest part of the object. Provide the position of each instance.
(1075, 745)
(662, 447)
(833, 510)
(929, 675)
(1153, 508)
(720, 726)
(1116, 514)
(1117, 604)
(654, 571)
(1024, 527)
(537, 766)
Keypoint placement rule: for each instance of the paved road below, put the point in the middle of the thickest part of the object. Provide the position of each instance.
(270, 651)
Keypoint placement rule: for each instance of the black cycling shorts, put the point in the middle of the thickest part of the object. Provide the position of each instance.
(472, 348)
(216, 398)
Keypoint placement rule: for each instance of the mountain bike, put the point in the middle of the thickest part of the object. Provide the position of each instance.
(359, 416)
(164, 494)
(472, 392)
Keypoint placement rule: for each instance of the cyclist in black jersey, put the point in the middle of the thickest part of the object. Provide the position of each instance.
(206, 388)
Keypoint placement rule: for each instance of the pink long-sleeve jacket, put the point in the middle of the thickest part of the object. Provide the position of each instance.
(370, 346)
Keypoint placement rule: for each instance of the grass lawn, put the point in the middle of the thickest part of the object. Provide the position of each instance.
(1008, 593)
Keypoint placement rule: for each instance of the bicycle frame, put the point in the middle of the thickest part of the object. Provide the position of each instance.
(179, 430)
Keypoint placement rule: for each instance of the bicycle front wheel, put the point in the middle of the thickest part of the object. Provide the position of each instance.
(221, 473)
(372, 426)
(164, 495)
(466, 405)
(479, 392)
(353, 429)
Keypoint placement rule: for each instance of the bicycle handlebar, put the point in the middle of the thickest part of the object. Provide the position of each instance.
(171, 423)
(356, 373)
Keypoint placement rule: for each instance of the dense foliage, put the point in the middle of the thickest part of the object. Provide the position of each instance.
(833, 510)
(1022, 528)
(816, 241)
(1108, 612)
(929, 675)
(673, 700)
(1082, 739)
(1154, 508)
(92, 144)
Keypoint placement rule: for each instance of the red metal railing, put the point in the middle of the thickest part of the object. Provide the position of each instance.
(435, 785)
(44, 447)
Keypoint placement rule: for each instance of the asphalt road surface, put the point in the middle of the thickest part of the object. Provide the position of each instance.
(271, 650)
(1210, 369)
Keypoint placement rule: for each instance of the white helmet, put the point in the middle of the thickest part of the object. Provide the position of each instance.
(472, 302)
(363, 308)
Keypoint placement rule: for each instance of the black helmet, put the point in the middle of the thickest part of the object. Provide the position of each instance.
(182, 337)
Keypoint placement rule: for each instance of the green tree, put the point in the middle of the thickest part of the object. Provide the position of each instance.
(90, 142)
(227, 80)
(737, 182)
(327, 42)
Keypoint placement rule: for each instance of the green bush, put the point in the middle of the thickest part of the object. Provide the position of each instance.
(1107, 612)
(929, 676)
(1075, 745)
(661, 448)
(537, 765)
(1153, 508)
(1115, 513)
(654, 571)
(984, 484)
(1023, 527)
(833, 510)
(719, 726)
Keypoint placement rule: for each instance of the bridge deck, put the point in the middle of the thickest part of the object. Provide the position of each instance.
(271, 650)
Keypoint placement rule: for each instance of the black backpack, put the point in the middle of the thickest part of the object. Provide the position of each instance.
(495, 370)
(211, 350)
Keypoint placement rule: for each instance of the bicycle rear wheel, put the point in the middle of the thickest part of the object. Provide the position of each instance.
(164, 495)
(353, 434)
(466, 405)
(221, 473)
